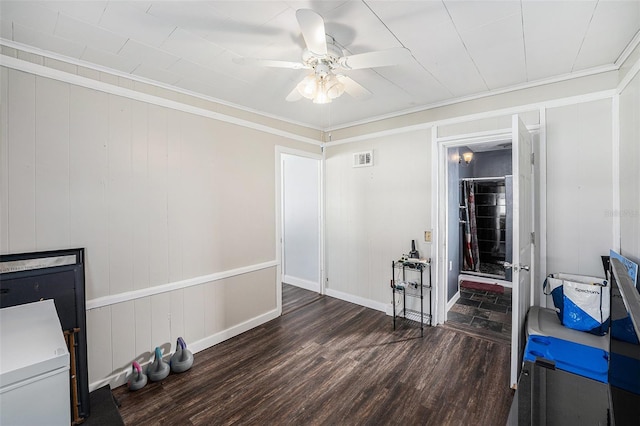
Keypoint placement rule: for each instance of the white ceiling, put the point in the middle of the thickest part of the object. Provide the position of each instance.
(459, 48)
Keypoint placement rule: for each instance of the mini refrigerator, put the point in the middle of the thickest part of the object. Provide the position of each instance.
(34, 366)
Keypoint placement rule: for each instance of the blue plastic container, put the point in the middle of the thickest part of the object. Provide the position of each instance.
(575, 358)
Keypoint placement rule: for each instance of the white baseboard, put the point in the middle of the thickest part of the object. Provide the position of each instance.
(453, 300)
(302, 283)
(368, 303)
(236, 330)
(119, 378)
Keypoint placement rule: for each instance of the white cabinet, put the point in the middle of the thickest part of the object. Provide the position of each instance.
(34, 366)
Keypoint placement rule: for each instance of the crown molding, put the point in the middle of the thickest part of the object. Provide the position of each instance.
(88, 65)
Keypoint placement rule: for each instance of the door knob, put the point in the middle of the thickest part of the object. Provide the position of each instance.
(508, 265)
(525, 267)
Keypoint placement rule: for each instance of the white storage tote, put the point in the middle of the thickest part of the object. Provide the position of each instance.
(582, 302)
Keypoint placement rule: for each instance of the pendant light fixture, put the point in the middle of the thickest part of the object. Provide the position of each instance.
(322, 86)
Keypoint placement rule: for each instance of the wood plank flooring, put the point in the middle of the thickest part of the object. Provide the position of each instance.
(331, 362)
(295, 298)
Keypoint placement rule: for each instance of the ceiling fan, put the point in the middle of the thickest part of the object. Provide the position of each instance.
(325, 58)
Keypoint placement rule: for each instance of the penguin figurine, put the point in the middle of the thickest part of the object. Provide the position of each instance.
(182, 359)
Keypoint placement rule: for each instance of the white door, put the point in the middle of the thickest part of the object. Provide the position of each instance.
(522, 228)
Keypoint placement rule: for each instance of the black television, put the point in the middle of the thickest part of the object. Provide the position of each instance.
(624, 347)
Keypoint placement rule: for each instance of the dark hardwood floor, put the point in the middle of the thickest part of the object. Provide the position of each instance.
(294, 298)
(331, 362)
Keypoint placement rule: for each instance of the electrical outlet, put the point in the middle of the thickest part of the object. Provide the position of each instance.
(427, 236)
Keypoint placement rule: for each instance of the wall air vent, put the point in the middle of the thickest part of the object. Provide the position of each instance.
(363, 159)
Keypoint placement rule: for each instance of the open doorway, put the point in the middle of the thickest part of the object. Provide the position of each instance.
(481, 200)
(300, 229)
(522, 266)
(484, 203)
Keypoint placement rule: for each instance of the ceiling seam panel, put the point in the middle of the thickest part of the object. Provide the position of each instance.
(383, 23)
(397, 39)
(584, 36)
(484, 81)
(55, 26)
(420, 64)
(524, 44)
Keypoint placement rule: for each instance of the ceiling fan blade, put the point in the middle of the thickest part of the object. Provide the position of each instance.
(381, 58)
(294, 95)
(312, 27)
(269, 63)
(353, 88)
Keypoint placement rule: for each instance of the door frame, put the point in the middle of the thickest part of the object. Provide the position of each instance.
(279, 176)
(441, 214)
(441, 239)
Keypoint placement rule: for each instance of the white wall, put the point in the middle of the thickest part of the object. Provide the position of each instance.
(159, 198)
(579, 187)
(301, 221)
(629, 211)
(373, 213)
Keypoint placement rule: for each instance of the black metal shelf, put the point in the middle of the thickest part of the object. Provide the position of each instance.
(412, 315)
(415, 288)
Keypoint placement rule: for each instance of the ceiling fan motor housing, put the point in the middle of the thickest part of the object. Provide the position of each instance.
(323, 64)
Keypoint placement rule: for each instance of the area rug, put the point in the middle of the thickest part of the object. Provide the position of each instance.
(104, 409)
(473, 285)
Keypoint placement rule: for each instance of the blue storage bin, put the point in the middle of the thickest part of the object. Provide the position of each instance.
(568, 356)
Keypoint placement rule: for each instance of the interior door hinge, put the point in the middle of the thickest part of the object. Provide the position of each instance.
(533, 238)
(533, 158)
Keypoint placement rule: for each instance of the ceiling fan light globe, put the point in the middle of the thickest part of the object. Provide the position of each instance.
(306, 92)
(308, 87)
(321, 98)
(333, 87)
